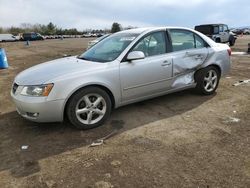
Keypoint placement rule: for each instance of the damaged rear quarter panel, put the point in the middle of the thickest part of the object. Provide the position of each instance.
(218, 55)
(185, 64)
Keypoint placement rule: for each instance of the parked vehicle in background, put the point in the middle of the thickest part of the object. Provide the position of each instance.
(237, 31)
(32, 36)
(7, 38)
(246, 32)
(87, 35)
(18, 37)
(93, 42)
(127, 67)
(218, 32)
(48, 37)
(100, 34)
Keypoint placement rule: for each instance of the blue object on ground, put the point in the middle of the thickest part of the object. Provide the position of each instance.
(3, 59)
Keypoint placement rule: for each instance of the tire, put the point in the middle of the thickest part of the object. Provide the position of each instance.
(93, 106)
(232, 41)
(207, 80)
(217, 40)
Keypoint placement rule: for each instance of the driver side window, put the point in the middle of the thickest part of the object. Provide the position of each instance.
(152, 44)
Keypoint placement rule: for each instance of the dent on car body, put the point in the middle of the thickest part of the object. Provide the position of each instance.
(182, 66)
(184, 80)
(185, 72)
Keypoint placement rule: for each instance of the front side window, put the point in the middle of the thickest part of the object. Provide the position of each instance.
(109, 48)
(221, 28)
(152, 44)
(185, 40)
(33, 35)
(225, 28)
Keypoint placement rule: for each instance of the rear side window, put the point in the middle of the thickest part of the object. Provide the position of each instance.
(152, 44)
(205, 29)
(216, 30)
(184, 40)
(225, 28)
(199, 42)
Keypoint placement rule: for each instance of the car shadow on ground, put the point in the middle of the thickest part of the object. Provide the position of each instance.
(44, 140)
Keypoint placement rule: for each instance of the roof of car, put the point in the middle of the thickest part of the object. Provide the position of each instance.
(149, 29)
(210, 24)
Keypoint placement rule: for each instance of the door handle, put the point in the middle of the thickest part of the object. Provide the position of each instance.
(166, 63)
(194, 55)
(198, 57)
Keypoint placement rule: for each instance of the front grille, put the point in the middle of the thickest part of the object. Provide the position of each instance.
(14, 88)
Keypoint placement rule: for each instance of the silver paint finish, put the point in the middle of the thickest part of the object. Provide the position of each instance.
(210, 81)
(128, 81)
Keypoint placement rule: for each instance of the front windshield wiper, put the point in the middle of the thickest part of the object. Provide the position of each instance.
(92, 59)
(83, 58)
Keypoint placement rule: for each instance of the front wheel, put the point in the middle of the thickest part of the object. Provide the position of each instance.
(89, 108)
(232, 42)
(207, 80)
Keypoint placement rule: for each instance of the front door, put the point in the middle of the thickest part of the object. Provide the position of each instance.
(226, 33)
(148, 76)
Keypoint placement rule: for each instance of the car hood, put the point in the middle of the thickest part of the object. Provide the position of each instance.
(42, 73)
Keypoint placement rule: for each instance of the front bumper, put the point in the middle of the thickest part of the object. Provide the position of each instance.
(38, 109)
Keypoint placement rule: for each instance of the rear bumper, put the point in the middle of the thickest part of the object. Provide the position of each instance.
(38, 109)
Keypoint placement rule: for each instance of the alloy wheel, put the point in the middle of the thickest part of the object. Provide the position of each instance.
(91, 108)
(210, 80)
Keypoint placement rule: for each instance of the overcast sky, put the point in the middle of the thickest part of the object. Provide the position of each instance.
(99, 14)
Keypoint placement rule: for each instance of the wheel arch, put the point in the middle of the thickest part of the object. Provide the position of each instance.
(218, 39)
(106, 89)
(211, 65)
(217, 67)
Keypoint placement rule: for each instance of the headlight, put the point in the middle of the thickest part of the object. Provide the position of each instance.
(37, 91)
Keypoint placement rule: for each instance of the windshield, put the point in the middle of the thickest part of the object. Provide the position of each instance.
(109, 48)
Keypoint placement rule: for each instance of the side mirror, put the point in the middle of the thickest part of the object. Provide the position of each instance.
(135, 55)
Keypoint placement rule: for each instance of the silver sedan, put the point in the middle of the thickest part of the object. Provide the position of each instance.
(126, 67)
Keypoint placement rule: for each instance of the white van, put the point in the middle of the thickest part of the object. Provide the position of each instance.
(7, 38)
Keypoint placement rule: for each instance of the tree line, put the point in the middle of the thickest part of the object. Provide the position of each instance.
(52, 29)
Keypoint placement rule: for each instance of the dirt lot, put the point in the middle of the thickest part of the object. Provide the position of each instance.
(178, 140)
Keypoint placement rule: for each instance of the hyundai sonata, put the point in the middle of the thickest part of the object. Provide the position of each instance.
(126, 67)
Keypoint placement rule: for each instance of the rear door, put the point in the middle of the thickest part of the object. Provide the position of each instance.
(189, 51)
(148, 76)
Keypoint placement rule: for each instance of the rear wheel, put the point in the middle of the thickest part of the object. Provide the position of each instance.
(218, 40)
(207, 80)
(89, 108)
(232, 41)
